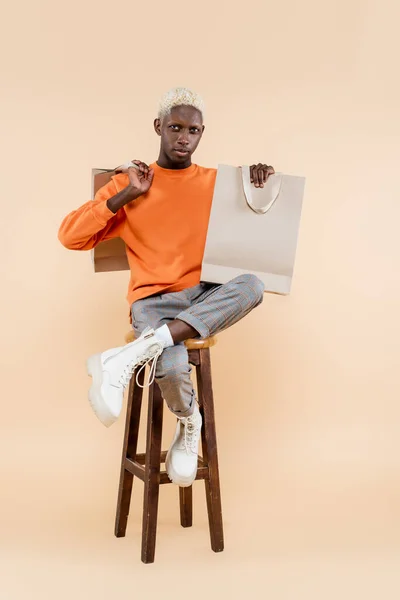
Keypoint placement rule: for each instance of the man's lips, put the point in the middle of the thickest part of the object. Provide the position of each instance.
(180, 151)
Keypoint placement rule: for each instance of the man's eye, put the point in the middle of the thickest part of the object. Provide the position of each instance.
(194, 130)
(175, 127)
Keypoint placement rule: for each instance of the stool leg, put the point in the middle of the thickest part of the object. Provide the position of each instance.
(210, 455)
(152, 473)
(186, 506)
(128, 451)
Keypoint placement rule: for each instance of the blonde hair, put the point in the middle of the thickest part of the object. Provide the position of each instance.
(179, 96)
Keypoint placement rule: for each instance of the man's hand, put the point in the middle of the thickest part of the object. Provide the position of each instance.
(260, 173)
(140, 178)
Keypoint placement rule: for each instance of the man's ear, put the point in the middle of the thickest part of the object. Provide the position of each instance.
(157, 126)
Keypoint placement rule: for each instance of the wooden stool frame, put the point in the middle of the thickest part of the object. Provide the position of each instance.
(147, 466)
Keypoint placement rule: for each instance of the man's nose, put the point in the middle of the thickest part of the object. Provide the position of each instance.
(183, 139)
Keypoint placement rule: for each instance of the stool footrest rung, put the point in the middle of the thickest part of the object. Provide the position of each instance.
(140, 458)
(135, 468)
(139, 470)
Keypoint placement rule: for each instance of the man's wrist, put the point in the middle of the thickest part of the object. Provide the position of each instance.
(123, 197)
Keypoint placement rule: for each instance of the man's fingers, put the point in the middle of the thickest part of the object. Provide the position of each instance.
(143, 168)
(261, 175)
(134, 170)
(259, 172)
(140, 162)
(268, 171)
(255, 177)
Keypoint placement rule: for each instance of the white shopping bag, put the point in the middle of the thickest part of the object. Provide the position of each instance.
(253, 230)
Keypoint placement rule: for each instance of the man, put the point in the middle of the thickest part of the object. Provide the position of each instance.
(161, 212)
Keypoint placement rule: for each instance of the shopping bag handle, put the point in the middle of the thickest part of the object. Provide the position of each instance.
(270, 191)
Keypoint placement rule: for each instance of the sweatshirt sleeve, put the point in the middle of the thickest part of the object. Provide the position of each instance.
(93, 222)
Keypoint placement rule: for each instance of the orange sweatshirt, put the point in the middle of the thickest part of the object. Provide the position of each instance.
(164, 230)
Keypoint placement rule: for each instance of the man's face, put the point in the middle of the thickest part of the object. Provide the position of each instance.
(180, 133)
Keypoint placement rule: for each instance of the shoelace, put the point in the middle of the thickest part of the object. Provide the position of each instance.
(144, 360)
(152, 373)
(191, 436)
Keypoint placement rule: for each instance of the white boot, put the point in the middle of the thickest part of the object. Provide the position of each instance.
(112, 370)
(182, 457)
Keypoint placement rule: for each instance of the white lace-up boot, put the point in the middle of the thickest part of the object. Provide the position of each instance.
(182, 457)
(112, 370)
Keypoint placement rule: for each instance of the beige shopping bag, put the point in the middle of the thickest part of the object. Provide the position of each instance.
(253, 230)
(109, 255)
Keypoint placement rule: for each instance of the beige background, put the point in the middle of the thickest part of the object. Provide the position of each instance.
(307, 387)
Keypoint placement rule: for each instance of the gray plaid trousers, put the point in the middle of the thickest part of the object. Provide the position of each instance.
(209, 308)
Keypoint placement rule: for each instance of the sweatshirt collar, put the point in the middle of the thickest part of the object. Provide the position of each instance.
(173, 172)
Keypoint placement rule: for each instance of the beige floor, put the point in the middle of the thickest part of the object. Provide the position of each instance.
(310, 491)
(291, 538)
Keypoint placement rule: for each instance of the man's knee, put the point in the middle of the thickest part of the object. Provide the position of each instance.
(254, 284)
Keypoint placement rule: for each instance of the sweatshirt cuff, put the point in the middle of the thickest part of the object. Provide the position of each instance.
(102, 213)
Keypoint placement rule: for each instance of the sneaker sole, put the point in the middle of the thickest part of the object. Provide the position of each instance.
(96, 400)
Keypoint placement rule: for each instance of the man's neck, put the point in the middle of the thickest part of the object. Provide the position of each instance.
(165, 163)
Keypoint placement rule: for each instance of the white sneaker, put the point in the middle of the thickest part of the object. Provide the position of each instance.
(112, 370)
(182, 457)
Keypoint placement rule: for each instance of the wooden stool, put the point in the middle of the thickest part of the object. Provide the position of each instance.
(147, 466)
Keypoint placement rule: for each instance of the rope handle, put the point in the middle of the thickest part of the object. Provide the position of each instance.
(270, 190)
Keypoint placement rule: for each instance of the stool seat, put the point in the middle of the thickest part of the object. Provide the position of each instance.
(192, 344)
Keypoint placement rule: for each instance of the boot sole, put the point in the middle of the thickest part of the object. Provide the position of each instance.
(177, 479)
(96, 400)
